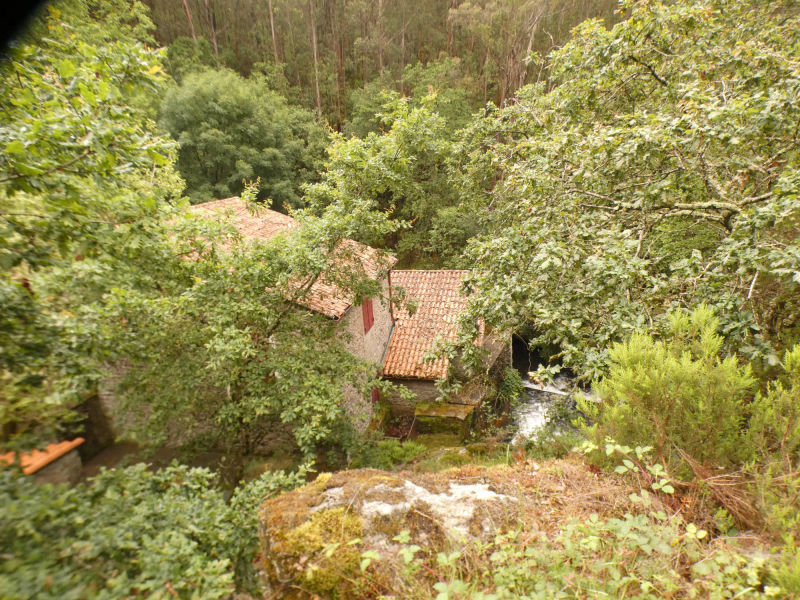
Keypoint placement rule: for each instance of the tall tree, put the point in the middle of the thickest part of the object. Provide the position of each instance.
(233, 129)
(662, 169)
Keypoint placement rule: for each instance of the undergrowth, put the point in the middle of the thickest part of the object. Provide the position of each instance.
(653, 554)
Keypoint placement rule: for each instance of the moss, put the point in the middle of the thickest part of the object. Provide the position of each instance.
(437, 441)
(323, 541)
(381, 414)
(444, 410)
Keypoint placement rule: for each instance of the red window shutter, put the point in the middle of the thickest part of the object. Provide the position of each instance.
(366, 312)
(375, 395)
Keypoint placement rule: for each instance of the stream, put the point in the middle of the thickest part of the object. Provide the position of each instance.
(530, 415)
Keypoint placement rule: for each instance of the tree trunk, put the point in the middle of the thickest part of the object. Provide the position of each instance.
(341, 77)
(316, 56)
(486, 78)
(189, 18)
(403, 48)
(272, 31)
(212, 27)
(450, 26)
(380, 37)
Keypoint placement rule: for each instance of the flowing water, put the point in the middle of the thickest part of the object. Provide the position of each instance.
(530, 415)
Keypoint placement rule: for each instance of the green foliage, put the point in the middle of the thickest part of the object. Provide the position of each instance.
(78, 210)
(231, 352)
(675, 393)
(403, 172)
(511, 387)
(343, 47)
(774, 426)
(185, 55)
(500, 402)
(130, 532)
(232, 129)
(94, 251)
(386, 454)
(443, 79)
(658, 168)
(679, 394)
(774, 430)
(636, 461)
(101, 22)
(639, 556)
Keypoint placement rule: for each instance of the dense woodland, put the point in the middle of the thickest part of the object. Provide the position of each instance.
(621, 180)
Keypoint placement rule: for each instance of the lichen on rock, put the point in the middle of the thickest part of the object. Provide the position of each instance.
(312, 537)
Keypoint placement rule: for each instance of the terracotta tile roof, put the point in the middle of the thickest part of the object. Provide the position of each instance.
(263, 226)
(439, 303)
(38, 459)
(324, 296)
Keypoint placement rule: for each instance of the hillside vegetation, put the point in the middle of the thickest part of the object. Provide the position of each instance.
(622, 182)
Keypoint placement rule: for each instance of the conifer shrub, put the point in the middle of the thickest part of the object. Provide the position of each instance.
(676, 393)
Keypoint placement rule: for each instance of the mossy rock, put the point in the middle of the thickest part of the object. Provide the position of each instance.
(312, 537)
(443, 417)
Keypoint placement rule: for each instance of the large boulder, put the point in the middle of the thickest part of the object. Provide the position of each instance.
(313, 538)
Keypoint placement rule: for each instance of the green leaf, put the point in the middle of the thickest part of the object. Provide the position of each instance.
(66, 68)
(15, 147)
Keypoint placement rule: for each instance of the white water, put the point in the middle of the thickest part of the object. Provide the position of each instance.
(531, 414)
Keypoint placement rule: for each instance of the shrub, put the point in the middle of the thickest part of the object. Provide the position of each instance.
(130, 533)
(676, 393)
(386, 454)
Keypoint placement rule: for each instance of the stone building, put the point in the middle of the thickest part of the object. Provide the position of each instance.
(392, 338)
(438, 303)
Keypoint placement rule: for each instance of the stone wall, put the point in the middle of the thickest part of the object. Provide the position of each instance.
(370, 346)
(425, 391)
(66, 469)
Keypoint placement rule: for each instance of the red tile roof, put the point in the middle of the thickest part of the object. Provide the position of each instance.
(324, 296)
(38, 459)
(439, 303)
(262, 226)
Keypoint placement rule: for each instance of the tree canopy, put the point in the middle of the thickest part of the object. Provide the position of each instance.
(78, 207)
(660, 170)
(233, 130)
(102, 266)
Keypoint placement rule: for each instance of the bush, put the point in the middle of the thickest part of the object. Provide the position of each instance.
(676, 393)
(386, 454)
(130, 533)
(512, 388)
(634, 556)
